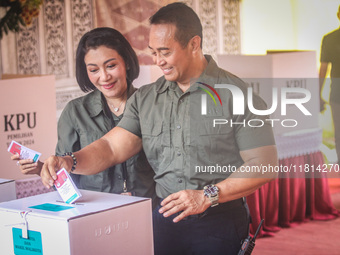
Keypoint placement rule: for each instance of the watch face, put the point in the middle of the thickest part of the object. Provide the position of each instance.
(210, 190)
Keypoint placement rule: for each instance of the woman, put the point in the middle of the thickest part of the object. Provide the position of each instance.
(106, 65)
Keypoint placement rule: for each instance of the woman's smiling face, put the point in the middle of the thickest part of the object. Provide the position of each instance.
(107, 71)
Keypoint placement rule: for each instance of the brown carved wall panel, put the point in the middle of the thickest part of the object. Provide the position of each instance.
(131, 18)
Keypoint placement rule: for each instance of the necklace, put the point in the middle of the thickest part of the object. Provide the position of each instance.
(116, 109)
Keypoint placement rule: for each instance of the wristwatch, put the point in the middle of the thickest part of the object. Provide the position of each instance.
(211, 191)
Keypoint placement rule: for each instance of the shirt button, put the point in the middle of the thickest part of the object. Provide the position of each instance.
(119, 177)
(178, 126)
(180, 180)
(179, 154)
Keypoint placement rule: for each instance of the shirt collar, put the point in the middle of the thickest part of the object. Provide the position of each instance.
(94, 102)
(209, 76)
(164, 85)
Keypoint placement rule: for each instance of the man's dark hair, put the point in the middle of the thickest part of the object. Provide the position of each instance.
(183, 17)
(110, 38)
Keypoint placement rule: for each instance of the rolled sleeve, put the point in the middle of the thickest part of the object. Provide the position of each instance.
(68, 136)
(255, 137)
(249, 137)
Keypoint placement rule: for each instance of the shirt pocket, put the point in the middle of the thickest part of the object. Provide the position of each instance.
(216, 143)
(87, 137)
(156, 145)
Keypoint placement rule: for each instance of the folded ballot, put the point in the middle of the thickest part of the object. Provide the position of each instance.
(66, 187)
(24, 152)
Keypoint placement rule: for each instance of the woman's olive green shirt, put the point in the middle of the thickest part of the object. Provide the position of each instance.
(87, 119)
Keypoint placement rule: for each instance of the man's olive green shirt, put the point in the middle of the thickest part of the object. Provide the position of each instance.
(180, 143)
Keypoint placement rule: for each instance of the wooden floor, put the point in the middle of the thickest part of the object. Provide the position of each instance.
(310, 238)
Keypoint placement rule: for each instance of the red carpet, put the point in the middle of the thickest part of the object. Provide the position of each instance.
(334, 185)
(312, 238)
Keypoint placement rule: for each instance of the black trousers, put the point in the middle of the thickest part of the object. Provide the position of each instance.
(219, 230)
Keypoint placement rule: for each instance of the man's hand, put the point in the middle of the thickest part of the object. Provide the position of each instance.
(51, 166)
(27, 166)
(188, 201)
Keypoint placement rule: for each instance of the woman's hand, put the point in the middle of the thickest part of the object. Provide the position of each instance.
(27, 166)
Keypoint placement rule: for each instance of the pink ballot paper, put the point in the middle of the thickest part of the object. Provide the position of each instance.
(24, 152)
(66, 187)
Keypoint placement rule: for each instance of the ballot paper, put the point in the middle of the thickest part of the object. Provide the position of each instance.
(66, 187)
(24, 152)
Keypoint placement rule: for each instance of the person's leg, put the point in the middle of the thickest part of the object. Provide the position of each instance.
(220, 231)
(336, 122)
(169, 237)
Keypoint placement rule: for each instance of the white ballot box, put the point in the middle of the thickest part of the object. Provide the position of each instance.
(99, 223)
(7, 190)
(294, 76)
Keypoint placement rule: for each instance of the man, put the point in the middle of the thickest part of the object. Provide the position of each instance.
(199, 212)
(330, 54)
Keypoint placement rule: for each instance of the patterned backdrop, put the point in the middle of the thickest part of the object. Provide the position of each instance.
(48, 45)
(220, 32)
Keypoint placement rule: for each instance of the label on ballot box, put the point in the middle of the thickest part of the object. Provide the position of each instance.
(32, 245)
(66, 187)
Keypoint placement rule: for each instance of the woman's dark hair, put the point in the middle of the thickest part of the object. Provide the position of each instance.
(110, 38)
(183, 17)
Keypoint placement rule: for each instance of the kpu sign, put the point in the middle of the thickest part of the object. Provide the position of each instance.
(28, 116)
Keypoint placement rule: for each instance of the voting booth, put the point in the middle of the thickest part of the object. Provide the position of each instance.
(28, 116)
(295, 78)
(98, 223)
